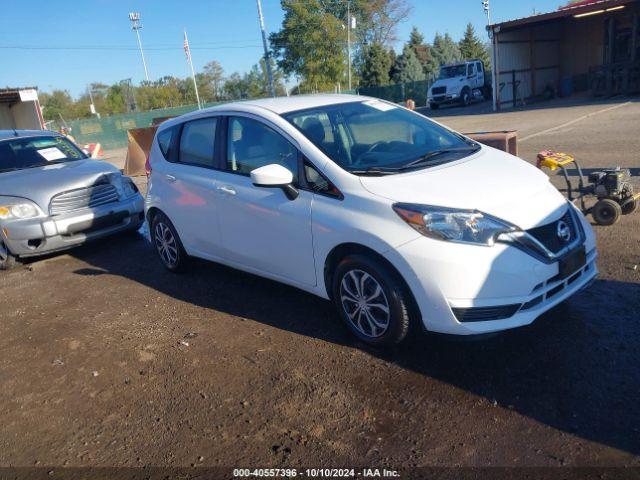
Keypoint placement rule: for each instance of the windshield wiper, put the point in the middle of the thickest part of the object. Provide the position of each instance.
(374, 171)
(436, 153)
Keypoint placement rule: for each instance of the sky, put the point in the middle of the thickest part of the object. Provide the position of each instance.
(68, 44)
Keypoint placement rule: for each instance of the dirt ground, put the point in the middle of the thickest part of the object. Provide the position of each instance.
(108, 360)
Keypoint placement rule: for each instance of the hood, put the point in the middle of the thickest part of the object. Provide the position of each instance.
(491, 181)
(452, 84)
(41, 183)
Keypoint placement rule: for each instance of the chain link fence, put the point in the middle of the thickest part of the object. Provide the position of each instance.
(111, 132)
(401, 92)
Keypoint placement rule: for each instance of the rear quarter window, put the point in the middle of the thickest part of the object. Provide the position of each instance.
(164, 141)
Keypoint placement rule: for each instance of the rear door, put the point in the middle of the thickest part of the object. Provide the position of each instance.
(261, 228)
(189, 195)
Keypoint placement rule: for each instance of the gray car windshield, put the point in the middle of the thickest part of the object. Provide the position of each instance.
(374, 137)
(20, 153)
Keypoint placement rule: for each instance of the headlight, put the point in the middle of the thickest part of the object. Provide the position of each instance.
(452, 225)
(18, 211)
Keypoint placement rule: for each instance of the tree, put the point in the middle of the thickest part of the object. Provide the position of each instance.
(377, 63)
(423, 52)
(55, 104)
(310, 43)
(445, 50)
(408, 67)
(472, 48)
(378, 19)
(214, 74)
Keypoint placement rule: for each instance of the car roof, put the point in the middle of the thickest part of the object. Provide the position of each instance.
(11, 134)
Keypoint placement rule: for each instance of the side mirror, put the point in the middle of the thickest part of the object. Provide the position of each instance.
(275, 176)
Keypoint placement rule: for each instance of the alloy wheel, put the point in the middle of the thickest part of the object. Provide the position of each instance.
(166, 244)
(365, 303)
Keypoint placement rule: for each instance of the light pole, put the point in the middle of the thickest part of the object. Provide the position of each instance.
(136, 26)
(267, 59)
(487, 11)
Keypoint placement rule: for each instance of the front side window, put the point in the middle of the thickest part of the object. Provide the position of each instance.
(197, 142)
(472, 70)
(251, 145)
(20, 153)
(374, 135)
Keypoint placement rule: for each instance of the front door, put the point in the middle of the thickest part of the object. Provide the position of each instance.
(261, 228)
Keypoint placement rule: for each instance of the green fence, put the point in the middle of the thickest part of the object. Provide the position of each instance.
(111, 132)
(401, 92)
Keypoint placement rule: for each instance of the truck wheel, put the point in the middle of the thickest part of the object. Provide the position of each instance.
(7, 259)
(630, 207)
(606, 212)
(434, 106)
(465, 96)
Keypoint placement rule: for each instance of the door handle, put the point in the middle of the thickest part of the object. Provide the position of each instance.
(171, 178)
(227, 189)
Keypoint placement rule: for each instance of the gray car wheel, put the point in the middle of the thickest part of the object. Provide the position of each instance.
(7, 259)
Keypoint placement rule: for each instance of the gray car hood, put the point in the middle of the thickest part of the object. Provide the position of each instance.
(42, 183)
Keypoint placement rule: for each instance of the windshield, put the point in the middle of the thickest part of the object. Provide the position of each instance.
(374, 136)
(20, 153)
(452, 72)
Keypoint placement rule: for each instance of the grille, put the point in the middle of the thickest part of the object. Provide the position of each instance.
(439, 90)
(548, 234)
(484, 314)
(89, 197)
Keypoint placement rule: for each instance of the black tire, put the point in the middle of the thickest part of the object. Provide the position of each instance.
(434, 106)
(465, 97)
(393, 292)
(171, 252)
(7, 259)
(630, 207)
(488, 93)
(606, 212)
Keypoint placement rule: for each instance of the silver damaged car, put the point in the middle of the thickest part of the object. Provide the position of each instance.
(53, 197)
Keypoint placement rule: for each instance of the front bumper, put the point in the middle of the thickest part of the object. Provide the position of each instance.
(38, 236)
(446, 278)
(443, 99)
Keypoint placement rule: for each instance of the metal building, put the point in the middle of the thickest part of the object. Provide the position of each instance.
(590, 45)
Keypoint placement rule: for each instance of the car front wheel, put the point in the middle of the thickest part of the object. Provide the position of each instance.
(7, 259)
(372, 300)
(168, 245)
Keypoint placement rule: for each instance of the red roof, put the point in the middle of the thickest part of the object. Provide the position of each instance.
(581, 3)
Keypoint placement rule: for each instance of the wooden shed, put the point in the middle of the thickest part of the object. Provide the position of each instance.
(590, 45)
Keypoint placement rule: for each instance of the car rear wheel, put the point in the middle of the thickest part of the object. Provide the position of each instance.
(168, 245)
(372, 300)
(7, 259)
(434, 106)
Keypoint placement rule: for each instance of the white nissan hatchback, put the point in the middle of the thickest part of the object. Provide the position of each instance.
(398, 220)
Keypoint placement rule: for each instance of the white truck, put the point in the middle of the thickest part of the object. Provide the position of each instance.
(461, 83)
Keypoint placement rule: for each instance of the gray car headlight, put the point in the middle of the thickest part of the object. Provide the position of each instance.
(18, 210)
(129, 187)
(453, 225)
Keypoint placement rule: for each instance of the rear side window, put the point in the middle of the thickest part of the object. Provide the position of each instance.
(164, 141)
(197, 142)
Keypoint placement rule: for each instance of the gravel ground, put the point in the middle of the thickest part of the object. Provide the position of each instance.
(109, 360)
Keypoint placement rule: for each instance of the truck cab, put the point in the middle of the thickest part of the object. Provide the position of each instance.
(460, 82)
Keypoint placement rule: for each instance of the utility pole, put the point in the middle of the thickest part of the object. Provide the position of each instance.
(187, 52)
(267, 57)
(487, 11)
(92, 107)
(349, 41)
(136, 26)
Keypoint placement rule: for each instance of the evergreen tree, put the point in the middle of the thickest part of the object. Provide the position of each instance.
(472, 48)
(445, 50)
(408, 67)
(393, 58)
(377, 63)
(423, 52)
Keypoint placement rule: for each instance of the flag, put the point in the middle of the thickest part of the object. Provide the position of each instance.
(187, 52)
